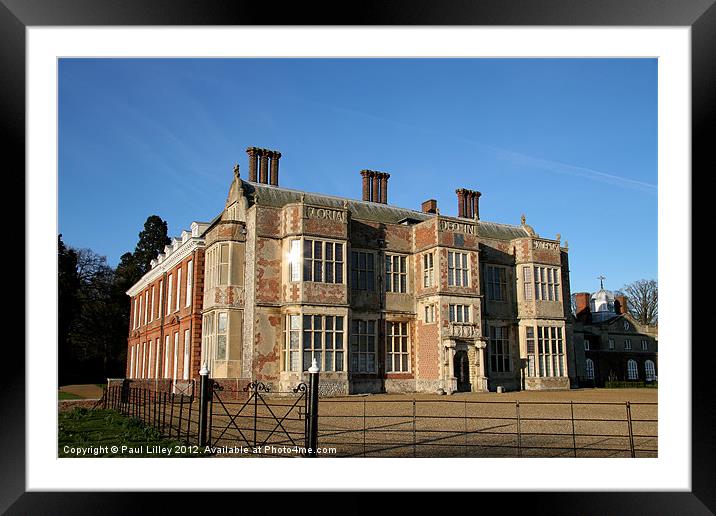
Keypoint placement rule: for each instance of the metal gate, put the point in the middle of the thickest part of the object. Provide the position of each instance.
(268, 422)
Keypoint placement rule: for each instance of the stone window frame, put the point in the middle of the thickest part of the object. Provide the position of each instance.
(462, 271)
(429, 313)
(528, 285)
(390, 349)
(632, 369)
(369, 274)
(323, 260)
(546, 289)
(302, 362)
(207, 338)
(216, 270)
(531, 350)
(463, 310)
(551, 351)
(428, 269)
(402, 275)
(366, 335)
(501, 283)
(502, 352)
(220, 332)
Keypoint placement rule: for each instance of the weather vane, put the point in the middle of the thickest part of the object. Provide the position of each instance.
(601, 281)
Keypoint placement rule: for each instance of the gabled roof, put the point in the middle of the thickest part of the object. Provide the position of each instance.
(369, 211)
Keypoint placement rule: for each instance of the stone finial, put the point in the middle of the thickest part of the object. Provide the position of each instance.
(236, 171)
(559, 237)
(523, 219)
(566, 244)
(303, 198)
(345, 204)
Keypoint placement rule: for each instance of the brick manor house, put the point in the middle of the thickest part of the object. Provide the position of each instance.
(386, 299)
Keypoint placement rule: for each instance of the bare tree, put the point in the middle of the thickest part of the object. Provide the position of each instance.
(643, 300)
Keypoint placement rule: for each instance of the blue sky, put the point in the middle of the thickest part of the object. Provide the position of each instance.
(571, 143)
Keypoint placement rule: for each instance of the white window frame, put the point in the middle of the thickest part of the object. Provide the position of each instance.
(644, 345)
(295, 263)
(428, 261)
(459, 271)
(158, 360)
(189, 279)
(153, 306)
(399, 273)
(166, 356)
(401, 352)
(170, 290)
(459, 313)
(178, 303)
(649, 371)
(176, 355)
(632, 369)
(612, 344)
(146, 307)
(161, 295)
(627, 345)
(589, 368)
(586, 344)
(187, 347)
(139, 317)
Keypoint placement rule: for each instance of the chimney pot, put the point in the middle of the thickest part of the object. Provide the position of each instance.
(581, 301)
(620, 305)
(384, 187)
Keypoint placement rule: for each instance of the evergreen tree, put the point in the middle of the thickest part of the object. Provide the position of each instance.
(68, 285)
(151, 242)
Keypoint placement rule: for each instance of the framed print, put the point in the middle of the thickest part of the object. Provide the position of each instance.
(309, 292)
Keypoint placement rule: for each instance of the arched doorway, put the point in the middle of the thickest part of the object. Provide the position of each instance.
(462, 371)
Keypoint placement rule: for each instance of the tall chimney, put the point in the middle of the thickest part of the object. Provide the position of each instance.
(476, 205)
(375, 194)
(253, 158)
(620, 305)
(384, 187)
(275, 156)
(263, 170)
(460, 202)
(366, 184)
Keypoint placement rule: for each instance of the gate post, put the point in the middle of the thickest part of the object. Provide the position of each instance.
(313, 409)
(205, 392)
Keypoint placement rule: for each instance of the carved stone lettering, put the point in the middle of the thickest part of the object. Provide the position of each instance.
(457, 227)
(325, 213)
(541, 244)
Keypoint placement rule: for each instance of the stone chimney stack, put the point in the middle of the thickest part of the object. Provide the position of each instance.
(259, 165)
(375, 186)
(430, 206)
(620, 305)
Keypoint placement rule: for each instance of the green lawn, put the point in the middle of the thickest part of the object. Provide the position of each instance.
(68, 396)
(96, 432)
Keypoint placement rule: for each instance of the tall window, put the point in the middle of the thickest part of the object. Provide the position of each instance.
(221, 335)
(398, 357)
(139, 316)
(551, 351)
(157, 359)
(151, 317)
(170, 288)
(189, 277)
(161, 294)
(632, 370)
(166, 356)
(222, 270)
(546, 283)
(611, 343)
(322, 261)
(323, 340)
(146, 307)
(131, 362)
(176, 355)
(645, 345)
(134, 319)
(362, 271)
(459, 313)
(292, 343)
(586, 345)
(363, 348)
(428, 270)
(499, 349)
(527, 281)
(496, 283)
(650, 371)
(396, 273)
(187, 346)
(457, 269)
(178, 288)
(429, 314)
(294, 261)
(589, 366)
(530, 340)
(207, 330)
(627, 344)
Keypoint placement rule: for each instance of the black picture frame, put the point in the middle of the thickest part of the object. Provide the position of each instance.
(17, 15)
